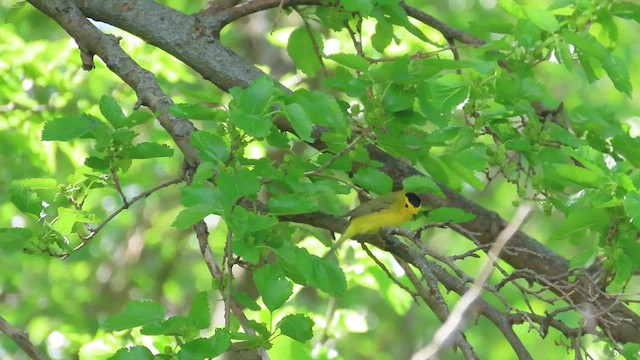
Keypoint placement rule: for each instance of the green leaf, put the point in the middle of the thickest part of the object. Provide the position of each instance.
(578, 221)
(199, 314)
(14, 238)
(138, 117)
(587, 44)
(255, 98)
(197, 112)
(628, 147)
(455, 215)
(25, 198)
(204, 172)
(383, 36)
(112, 112)
(363, 7)
(239, 184)
(273, 286)
(352, 61)
(564, 54)
(136, 313)
(189, 216)
(200, 349)
(624, 269)
(70, 127)
(258, 126)
(287, 204)
(246, 301)
(373, 180)
(68, 217)
(580, 175)
(138, 352)
(149, 150)
(617, 71)
(321, 273)
(324, 109)
(422, 184)
(632, 207)
(305, 48)
(173, 326)
(542, 18)
(300, 121)
(212, 197)
(97, 163)
(211, 147)
(298, 327)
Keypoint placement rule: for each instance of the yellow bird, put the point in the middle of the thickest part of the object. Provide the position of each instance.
(389, 210)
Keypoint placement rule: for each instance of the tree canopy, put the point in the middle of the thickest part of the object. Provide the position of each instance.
(176, 173)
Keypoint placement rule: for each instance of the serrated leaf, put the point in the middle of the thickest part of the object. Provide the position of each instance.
(273, 286)
(70, 127)
(352, 61)
(239, 184)
(455, 215)
(542, 18)
(111, 111)
(580, 175)
(287, 204)
(138, 352)
(136, 313)
(211, 147)
(197, 112)
(14, 238)
(199, 314)
(138, 117)
(322, 273)
(300, 121)
(632, 207)
(297, 327)
(209, 348)
(373, 180)
(305, 48)
(258, 126)
(617, 71)
(25, 198)
(587, 44)
(382, 36)
(97, 163)
(149, 150)
(189, 216)
(173, 326)
(422, 184)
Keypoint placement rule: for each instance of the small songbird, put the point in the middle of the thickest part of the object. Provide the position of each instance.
(389, 210)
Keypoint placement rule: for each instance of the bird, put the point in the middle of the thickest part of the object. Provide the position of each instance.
(393, 209)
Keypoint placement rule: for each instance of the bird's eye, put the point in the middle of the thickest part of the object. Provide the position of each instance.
(405, 205)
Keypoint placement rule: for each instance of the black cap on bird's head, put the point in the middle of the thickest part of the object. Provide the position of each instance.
(413, 199)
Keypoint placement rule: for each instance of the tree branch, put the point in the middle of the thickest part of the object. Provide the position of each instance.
(21, 338)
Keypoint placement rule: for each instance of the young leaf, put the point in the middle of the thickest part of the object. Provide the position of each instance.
(136, 313)
(14, 238)
(273, 286)
(70, 127)
(542, 18)
(305, 48)
(199, 314)
(373, 179)
(111, 111)
(211, 147)
(287, 204)
(454, 215)
(149, 150)
(138, 352)
(209, 348)
(300, 121)
(297, 327)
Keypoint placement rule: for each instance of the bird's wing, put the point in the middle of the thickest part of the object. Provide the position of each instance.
(374, 205)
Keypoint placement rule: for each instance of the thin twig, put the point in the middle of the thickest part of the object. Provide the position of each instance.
(450, 329)
(126, 205)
